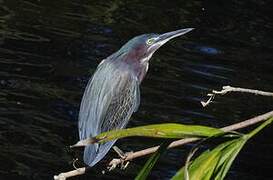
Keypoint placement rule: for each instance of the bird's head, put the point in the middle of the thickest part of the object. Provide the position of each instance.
(141, 48)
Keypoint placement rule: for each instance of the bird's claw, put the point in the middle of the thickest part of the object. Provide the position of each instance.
(122, 161)
(124, 164)
(113, 164)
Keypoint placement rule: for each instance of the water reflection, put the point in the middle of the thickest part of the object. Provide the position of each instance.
(49, 49)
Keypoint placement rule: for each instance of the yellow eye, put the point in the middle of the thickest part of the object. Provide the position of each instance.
(150, 41)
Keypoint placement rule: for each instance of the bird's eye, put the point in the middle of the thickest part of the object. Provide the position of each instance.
(150, 41)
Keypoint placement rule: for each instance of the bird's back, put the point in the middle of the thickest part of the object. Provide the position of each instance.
(110, 98)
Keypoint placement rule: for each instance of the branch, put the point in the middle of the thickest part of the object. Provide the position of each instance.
(68, 174)
(226, 89)
(115, 162)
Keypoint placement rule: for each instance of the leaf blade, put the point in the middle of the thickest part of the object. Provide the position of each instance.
(145, 171)
(166, 130)
(226, 152)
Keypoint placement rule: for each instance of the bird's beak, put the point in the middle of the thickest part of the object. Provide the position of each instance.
(163, 38)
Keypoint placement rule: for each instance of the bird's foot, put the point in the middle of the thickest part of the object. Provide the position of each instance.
(122, 161)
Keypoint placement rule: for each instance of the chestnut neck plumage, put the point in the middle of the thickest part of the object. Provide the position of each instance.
(137, 62)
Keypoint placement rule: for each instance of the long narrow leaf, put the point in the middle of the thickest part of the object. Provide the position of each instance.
(167, 130)
(215, 164)
(145, 171)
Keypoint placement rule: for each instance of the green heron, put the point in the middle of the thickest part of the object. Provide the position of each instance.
(112, 94)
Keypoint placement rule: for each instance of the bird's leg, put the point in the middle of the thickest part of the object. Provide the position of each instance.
(119, 152)
(122, 156)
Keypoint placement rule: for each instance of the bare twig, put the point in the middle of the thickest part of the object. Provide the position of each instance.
(226, 89)
(115, 162)
(68, 174)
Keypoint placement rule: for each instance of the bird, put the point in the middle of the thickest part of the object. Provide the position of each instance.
(112, 94)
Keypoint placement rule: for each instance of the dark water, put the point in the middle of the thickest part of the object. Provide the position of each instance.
(49, 49)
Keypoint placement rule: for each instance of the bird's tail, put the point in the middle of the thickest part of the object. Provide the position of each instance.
(94, 153)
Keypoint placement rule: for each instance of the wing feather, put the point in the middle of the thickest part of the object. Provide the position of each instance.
(110, 98)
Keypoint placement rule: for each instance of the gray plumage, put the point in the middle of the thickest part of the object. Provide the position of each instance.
(108, 103)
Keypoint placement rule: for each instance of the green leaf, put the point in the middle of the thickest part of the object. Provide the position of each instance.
(167, 130)
(214, 164)
(209, 163)
(145, 171)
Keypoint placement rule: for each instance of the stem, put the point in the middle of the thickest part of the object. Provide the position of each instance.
(68, 174)
(226, 89)
(259, 128)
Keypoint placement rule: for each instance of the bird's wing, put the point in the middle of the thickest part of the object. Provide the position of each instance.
(110, 98)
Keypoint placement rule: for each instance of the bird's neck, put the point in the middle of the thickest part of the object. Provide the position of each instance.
(138, 65)
(134, 61)
(142, 71)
